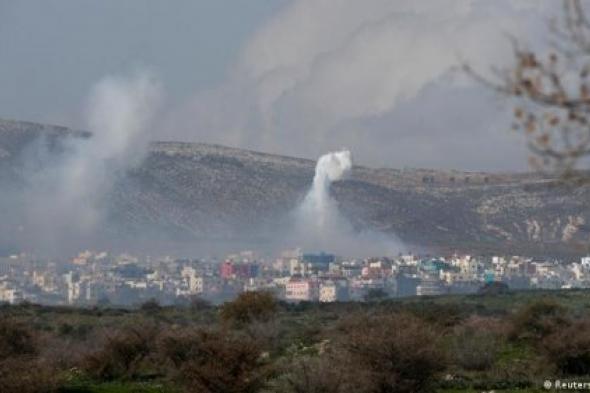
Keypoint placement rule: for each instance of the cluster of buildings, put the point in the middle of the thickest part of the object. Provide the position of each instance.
(93, 278)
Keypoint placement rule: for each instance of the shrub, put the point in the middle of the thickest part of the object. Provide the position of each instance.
(476, 343)
(150, 306)
(313, 375)
(569, 348)
(399, 353)
(266, 333)
(26, 374)
(16, 339)
(178, 347)
(248, 307)
(214, 362)
(199, 304)
(21, 369)
(493, 289)
(122, 354)
(330, 370)
(537, 320)
(375, 294)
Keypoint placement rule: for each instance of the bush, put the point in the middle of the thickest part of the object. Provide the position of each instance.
(476, 343)
(214, 362)
(25, 374)
(122, 354)
(474, 351)
(398, 353)
(16, 339)
(177, 348)
(537, 320)
(313, 375)
(321, 368)
(150, 306)
(375, 294)
(21, 369)
(569, 348)
(494, 289)
(248, 307)
(199, 304)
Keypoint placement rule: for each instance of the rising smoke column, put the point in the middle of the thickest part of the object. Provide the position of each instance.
(320, 226)
(119, 115)
(319, 210)
(66, 201)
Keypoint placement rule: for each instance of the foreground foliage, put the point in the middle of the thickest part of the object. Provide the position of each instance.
(503, 341)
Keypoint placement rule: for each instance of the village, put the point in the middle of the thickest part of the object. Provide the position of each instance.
(99, 278)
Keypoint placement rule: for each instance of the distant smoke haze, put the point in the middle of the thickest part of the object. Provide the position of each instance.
(292, 77)
(376, 76)
(63, 204)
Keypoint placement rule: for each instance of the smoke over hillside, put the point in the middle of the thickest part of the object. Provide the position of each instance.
(209, 199)
(319, 225)
(374, 75)
(63, 195)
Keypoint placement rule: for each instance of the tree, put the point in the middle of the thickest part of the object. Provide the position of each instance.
(376, 294)
(551, 111)
(538, 320)
(569, 348)
(215, 361)
(22, 369)
(122, 353)
(249, 307)
(150, 306)
(397, 353)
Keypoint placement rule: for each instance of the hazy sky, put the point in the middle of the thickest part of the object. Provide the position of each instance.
(53, 51)
(296, 77)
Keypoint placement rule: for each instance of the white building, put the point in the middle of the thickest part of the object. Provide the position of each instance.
(10, 294)
(301, 290)
(72, 281)
(297, 267)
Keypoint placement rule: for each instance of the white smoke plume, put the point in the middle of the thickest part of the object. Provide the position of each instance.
(319, 211)
(320, 226)
(119, 114)
(65, 203)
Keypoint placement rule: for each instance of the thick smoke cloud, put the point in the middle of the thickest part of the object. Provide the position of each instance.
(327, 73)
(64, 202)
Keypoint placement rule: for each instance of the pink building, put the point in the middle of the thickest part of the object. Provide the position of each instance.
(301, 290)
(226, 270)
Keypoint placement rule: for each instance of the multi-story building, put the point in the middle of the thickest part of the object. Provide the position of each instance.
(9, 293)
(333, 291)
(301, 289)
(430, 286)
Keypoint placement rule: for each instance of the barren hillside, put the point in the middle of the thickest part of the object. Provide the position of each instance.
(195, 191)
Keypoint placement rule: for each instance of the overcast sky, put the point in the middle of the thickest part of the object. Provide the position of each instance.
(296, 77)
(53, 51)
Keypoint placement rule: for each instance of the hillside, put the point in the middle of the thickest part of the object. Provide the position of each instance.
(193, 191)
